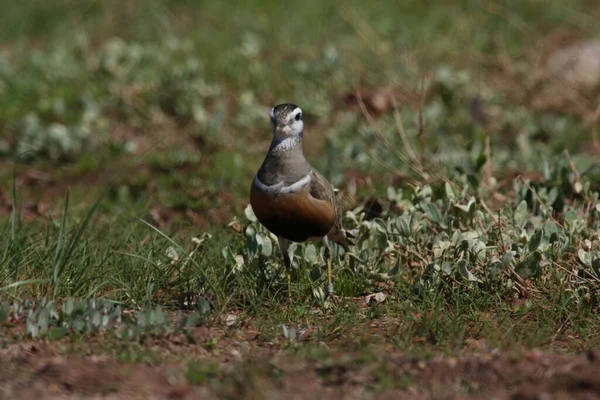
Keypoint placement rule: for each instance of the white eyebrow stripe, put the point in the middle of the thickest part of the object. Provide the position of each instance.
(280, 188)
(297, 109)
(273, 113)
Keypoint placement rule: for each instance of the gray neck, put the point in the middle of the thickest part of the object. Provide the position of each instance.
(284, 162)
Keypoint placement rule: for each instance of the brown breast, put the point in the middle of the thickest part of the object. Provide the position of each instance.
(296, 217)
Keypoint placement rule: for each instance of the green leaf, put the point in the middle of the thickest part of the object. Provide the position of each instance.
(96, 319)
(468, 208)
(449, 191)
(530, 267)
(203, 306)
(433, 213)
(227, 253)
(289, 333)
(43, 320)
(391, 193)
(403, 225)
(68, 307)
(4, 307)
(22, 283)
(249, 213)
(496, 268)
(61, 239)
(189, 337)
(425, 192)
(463, 268)
(570, 216)
(535, 240)
(70, 248)
(57, 333)
(379, 225)
(507, 258)
(584, 257)
(79, 325)
(310, 254)
(252, 240)
(446, 268)
(315, 274)
(192, 319)
(596, 266)
(480, 162)
(250, 230)
(266, 246)
(521, 214)
(13, 209)
(394, 271)
(32, 328)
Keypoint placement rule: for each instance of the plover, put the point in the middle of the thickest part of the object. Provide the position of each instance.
(289, 197)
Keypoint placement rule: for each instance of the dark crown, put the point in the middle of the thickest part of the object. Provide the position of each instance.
(282, 110)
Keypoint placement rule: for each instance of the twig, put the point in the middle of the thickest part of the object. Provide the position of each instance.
(571, 165)
(402, 134)
(487, 168)
(385, 140)
(486, 208)
(421, 134)
(520, 177)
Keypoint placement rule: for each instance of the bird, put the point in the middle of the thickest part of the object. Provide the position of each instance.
(290, 198)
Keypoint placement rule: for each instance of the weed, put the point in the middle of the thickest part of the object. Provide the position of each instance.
(133, 139)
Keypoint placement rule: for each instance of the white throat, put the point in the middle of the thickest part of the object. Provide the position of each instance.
(284, 145)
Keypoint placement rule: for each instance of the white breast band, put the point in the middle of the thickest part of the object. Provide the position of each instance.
(280, 188)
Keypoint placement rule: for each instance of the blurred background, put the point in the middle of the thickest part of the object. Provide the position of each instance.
(165, 103)
(462, 134)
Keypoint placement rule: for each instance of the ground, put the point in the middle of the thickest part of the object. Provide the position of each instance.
(463, 139)
(240, 366)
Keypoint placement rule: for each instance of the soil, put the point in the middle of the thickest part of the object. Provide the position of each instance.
(238, 364)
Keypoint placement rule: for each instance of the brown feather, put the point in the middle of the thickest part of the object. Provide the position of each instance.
(321, 189)
(296, 217)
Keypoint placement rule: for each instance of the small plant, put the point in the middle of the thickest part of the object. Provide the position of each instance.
(198, 372)
(89, 317)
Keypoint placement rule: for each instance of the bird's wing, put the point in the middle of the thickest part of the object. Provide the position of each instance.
(321, 189)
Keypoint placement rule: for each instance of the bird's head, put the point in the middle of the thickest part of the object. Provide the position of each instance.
(286, 120)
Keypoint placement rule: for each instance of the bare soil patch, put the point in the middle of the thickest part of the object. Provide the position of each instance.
(237, 364)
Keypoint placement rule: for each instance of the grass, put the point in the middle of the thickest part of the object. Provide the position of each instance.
(130, 133)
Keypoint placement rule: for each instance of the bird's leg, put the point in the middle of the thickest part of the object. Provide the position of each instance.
(283, 246)
(328, 257)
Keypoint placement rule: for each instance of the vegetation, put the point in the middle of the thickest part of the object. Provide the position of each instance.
(130, 132)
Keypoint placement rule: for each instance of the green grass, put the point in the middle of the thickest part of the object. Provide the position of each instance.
(150, 119)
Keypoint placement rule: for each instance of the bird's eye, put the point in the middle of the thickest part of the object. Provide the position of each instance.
(298, 116)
